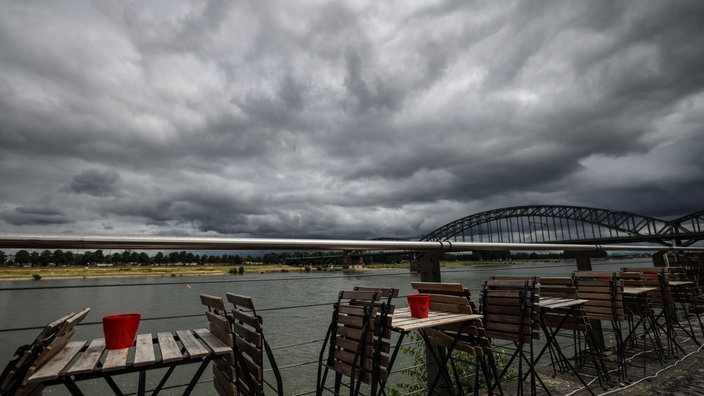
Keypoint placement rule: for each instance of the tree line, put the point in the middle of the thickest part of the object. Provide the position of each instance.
(62, 258)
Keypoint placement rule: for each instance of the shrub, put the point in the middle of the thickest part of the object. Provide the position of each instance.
(241, 269)
(37, 277)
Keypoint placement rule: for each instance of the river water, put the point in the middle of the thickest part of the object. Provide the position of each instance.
(293, 328)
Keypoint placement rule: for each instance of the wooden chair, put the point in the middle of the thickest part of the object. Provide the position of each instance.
(470, 338)
(348, 346)
(224, 373)
(29, 358)
(640, 315)
(663, 299)
(577, 322)
(250, 347)
(511, 312)
(382, 356)
(605, 294)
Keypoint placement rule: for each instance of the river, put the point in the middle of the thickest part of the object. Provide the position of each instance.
(293, 331)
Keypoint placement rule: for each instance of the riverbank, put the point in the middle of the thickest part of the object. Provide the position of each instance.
(49, 273)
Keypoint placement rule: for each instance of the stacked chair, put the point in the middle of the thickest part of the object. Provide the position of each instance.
(250, 348)
(641, 315)
(356, 337)
(242, 372)
(585, 345)
(29, 358)
(224, 373)
(383, 356)
(663, 300)
(604, 292)
(471, 338)
(511, 313)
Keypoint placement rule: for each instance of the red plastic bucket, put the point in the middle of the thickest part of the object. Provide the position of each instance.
(419, 304)
(120, 330)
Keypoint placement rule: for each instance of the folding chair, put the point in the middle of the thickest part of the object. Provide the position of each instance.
(250, 346)
(662, 298)
(640, 314)
(29, 358)
(470, 338)
(605, 294)
(348, 346)
(684, 291)
(577, 321)
(511, 313)
(224, 373)
(382, 356)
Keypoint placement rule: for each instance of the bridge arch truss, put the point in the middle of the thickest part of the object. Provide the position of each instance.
(569, 224)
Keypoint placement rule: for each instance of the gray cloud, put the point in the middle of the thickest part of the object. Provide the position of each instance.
(95, 182)
(343, 120)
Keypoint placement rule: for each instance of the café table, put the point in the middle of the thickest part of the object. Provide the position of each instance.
(403, 322)
(551, 305)
(84, 360)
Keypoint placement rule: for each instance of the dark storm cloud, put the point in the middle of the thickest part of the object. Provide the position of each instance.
(349, 120)
(95, 182)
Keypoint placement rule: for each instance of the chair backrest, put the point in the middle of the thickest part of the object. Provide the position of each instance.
(444, 288)
(250, 347)
(631, 279)
(563, 287)
(604, 292)
(381, 329)
(510, 309)
(224, 373)
(453, 297)
(348, 345)
(30, 358)
(655, 277)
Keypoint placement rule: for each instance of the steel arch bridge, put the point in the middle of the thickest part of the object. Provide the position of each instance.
(570, 224)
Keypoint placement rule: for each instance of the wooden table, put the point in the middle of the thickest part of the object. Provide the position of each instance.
(403, 322)
(637, 290)
(83, 360)
(401, 319)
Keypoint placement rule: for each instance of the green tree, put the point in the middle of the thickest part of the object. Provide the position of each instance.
(22, 257)
(45, 258)
(3, 258)
(271, 258)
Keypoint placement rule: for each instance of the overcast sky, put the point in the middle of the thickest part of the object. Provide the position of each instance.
(343, 119)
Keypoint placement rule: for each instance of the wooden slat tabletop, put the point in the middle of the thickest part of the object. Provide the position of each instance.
(144, 350)
(635, 290)
(169, 348)
(218, 347)
(53, 367)
(551, 303)
(89, 358)
(116, 359)
(402, 320)
(193, 347)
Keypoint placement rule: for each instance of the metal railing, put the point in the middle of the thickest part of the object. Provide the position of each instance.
(21, 241)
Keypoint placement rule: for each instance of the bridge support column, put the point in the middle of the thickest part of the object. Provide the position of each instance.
(429, 266)
(584, 263)
(660, 259)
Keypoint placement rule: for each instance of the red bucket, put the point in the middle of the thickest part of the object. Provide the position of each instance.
(120, 330)
(419, 304)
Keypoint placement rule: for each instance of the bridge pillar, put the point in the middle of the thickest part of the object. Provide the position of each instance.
(429, 266)
(660, 259)
(584, 261)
